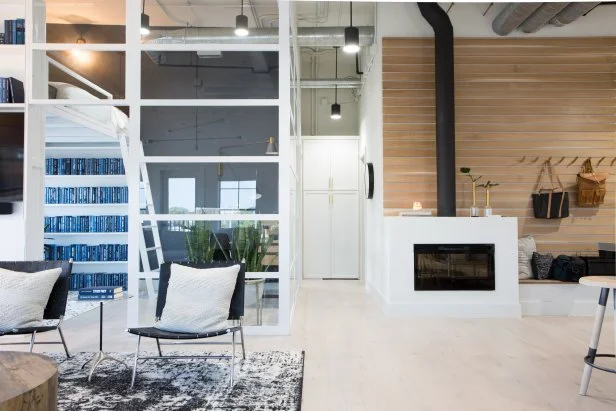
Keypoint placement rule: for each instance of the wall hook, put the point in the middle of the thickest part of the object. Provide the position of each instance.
(524, 159)
(600, 161)
(535, 160)
(549, 159)
(560, 161)
(613, 161)
(573, 161)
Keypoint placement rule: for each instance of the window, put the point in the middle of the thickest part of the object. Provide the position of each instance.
(235, 196)
(181, 199)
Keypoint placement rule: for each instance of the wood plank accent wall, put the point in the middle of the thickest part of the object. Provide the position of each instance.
(519, 101)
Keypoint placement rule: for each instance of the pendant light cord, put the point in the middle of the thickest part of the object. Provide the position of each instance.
(143, 7)
(350, 12)
(336, 85)
(242, 8)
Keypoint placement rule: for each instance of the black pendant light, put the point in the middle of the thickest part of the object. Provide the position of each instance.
(145, 21)
(351, 35)
(336, 113)
(241, 23)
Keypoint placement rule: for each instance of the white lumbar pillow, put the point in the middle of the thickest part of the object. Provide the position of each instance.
(198, 299)
(23, 297)
(526, 248)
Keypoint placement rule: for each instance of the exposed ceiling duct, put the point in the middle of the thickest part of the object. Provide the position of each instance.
(573, 12)
(306, 36)
(542, 16)
(531, 17)
(330, 83)
(512, 16)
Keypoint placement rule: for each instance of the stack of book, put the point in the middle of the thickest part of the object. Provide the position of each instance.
(11, 90)
(99, 293)
(14, 32)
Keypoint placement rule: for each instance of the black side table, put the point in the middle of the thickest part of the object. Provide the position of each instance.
(101, 355)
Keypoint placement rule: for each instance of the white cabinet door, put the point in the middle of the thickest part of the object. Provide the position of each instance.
(317, 167)
(345, 235)
(317, 231)
(344, 164)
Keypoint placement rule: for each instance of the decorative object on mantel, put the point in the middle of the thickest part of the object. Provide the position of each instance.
(488, 210)
(550, 202)
(474, 208)
(590, 186)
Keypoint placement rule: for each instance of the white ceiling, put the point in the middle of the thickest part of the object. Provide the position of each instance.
(207, 13)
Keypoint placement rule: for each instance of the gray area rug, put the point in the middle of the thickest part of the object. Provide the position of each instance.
(264, 381)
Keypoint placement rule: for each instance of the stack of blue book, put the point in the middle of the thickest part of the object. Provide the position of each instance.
(99, 293)
(14, 32)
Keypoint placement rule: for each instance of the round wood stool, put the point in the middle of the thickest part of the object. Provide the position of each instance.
(605, 283)
(28, 382)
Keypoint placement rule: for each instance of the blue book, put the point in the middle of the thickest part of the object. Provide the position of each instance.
(96, 297)
(100, 290)
(20, 31)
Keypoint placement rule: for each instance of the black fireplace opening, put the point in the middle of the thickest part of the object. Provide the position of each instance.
(454, 267)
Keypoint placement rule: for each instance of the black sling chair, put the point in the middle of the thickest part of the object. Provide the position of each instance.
(236, 312)
(56, 305)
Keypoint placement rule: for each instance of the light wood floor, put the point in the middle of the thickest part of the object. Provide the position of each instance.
(358, 360)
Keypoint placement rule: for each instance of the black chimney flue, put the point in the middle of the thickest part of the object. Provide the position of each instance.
(445, 108)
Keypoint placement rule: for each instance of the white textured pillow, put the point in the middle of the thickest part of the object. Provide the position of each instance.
(198, 300)
(526, 248)
(23, 297)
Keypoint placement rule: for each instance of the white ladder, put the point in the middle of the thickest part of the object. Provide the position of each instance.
(148, 272)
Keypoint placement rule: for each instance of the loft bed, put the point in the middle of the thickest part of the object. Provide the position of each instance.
(78, 124)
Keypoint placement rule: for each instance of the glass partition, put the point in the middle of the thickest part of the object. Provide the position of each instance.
(209, 131)
(209, 74)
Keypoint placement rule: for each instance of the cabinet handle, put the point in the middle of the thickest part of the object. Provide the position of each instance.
(331, 182)
(331, 199)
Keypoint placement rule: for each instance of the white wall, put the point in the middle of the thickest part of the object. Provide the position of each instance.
(371, 145)
(12, 238)
(404, 20)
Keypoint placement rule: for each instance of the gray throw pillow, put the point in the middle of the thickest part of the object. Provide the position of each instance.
(23, 297)
(542, 265)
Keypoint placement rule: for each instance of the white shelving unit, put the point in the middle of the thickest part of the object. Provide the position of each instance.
(82, 150)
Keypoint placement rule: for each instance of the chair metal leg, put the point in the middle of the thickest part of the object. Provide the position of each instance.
(160, 353)
(594, 340)
(32, 340)
(243, 346)
(63, 342)
(132, 381)
(232, 359)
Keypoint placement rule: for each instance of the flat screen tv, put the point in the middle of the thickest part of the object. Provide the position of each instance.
(11, 157)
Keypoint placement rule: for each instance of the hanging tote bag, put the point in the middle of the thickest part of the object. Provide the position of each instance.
(550, 202)
(590, 186)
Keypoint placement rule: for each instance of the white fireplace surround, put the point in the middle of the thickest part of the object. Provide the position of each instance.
(399, 297)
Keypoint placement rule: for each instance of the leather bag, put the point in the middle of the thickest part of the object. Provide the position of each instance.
(590, 186)
(552, 202)
(570, 269)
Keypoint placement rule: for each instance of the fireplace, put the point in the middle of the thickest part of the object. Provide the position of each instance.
(454, 267)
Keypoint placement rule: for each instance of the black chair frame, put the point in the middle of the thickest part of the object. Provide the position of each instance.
(236, 312)
(56, 305)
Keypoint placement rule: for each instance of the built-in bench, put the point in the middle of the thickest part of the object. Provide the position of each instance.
(552, 297)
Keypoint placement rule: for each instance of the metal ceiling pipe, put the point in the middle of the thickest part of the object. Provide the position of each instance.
(573, 12)
(322, 83)
(306, 36)
(542, 16)
(445, 108)
(512, 16)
